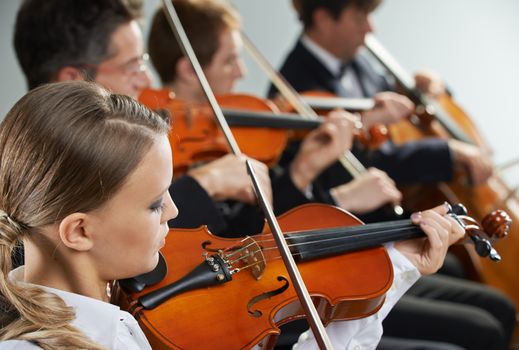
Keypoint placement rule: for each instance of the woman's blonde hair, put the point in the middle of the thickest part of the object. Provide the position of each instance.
(64, 148)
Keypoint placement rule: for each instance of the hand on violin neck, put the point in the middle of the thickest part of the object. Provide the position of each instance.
(367, 193)
(428, 254)
(322, 147)
(389, 108)
(429, 83)
(472, 159)
(227, 178)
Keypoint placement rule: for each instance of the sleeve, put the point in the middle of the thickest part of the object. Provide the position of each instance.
(423, 161)
(365, 333)
(286, 194)
(196, 208)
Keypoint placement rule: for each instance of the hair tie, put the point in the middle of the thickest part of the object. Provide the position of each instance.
(10, 220)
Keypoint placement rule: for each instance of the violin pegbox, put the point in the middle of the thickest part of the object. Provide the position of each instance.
(494, 226)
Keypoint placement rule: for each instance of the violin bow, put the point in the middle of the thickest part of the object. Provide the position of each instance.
(348, 159)
(304, 297)
(406, 81)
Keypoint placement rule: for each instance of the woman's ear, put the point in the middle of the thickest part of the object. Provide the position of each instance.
(70, 73)
(74, 234)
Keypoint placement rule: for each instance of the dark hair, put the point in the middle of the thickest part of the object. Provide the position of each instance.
(52, 34)
(203, 21)
(306, 8)
(64, 148)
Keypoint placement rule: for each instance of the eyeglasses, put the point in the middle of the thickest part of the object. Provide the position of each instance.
(133, 67)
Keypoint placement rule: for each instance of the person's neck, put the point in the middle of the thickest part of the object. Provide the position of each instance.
(60, 268)
(325, 43)
(186, 92)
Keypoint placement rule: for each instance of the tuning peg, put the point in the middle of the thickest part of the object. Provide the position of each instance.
(458, 209)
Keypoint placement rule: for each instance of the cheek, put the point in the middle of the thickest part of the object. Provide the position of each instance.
(116, 84)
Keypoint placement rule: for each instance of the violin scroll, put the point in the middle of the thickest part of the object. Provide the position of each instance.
(494, 226)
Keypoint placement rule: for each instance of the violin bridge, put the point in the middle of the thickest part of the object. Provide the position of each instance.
(253, 257)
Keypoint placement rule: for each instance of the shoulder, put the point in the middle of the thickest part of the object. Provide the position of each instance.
(18, 345)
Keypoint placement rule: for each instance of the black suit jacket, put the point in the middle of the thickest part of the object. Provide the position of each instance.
(425, 161)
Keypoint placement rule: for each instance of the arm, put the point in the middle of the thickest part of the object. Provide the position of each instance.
(322, 147)
(227, 178)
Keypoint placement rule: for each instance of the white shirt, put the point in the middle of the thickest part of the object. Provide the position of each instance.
(349, 79)
(102, 322)
(365, 333)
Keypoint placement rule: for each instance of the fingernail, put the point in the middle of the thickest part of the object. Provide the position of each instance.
(416, 216)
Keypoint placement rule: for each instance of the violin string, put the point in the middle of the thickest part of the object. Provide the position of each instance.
(366, 236)
(324, 235)
(299, 254)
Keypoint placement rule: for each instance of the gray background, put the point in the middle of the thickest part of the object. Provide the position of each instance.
(473, 44)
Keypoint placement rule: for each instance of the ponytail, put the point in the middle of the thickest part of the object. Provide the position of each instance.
(29, 312)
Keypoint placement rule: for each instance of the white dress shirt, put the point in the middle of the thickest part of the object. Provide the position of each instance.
(348, 77)
(104, 323)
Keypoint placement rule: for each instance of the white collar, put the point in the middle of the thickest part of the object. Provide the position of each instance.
(95, 318)
(331, 62)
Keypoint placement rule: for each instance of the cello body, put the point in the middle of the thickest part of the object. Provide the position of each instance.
(481, 199)
(444, 118)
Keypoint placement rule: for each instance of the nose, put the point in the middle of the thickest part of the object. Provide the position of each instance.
(170, 209)
(369, 26)
(240, 70)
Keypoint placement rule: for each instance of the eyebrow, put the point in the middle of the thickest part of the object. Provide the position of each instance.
(162, 193)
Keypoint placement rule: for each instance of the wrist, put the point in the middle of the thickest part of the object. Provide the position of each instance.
(301, 175)
(206, 179)
(340, 196)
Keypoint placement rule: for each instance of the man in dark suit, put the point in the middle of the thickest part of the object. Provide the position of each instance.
(328, 57)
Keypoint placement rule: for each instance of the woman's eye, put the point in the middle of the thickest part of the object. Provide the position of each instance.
(158, 207)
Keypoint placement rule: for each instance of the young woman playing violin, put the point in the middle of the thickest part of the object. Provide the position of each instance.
(85, 177)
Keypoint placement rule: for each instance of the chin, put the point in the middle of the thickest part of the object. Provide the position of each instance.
(152, 263)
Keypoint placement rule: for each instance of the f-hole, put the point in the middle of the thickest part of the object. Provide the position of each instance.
(266, 295)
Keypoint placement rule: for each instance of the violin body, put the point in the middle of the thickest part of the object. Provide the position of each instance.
(196, 137)
(345, 286)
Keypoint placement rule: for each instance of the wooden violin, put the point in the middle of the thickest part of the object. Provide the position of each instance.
(259, 127)
(209, 278)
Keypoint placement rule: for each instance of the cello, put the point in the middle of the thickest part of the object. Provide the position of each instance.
(444, 118)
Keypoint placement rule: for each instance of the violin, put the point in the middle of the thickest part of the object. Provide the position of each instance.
(259, 127)
(444, 118)
(346, 271)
